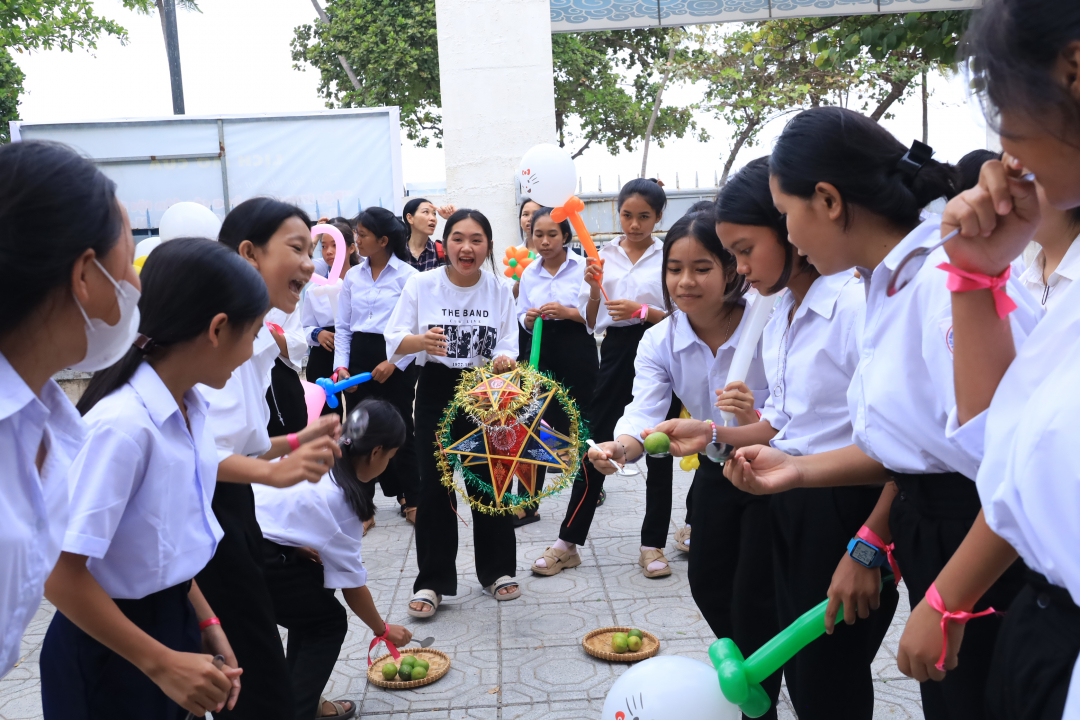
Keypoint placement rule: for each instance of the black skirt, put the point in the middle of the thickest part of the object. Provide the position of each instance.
(285, 396)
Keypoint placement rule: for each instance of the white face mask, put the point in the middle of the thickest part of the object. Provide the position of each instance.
(106, 344)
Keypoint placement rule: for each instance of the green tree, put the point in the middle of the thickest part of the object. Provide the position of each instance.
(604, 81)
(11, 79)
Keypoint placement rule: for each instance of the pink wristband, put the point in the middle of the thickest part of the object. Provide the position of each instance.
(964, 281)
(933, 599)
(382, 639)
(294, 442)
(643, 313)
(208, 622)
(867, 535)
(276, 328)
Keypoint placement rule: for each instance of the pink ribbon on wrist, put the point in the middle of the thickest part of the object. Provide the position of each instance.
(964, 281)
(933, 599)
(382, 639)
(867, 535)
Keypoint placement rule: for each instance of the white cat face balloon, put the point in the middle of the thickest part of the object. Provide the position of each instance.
(548, 175)
(668, 688)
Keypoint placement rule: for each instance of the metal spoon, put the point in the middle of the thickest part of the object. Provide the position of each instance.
(426, 642)
(219, 662)
(621, 468)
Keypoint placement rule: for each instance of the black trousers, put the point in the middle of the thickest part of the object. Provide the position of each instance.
(929, 519)
(285, 396)
(316, 622)
(235, 586)
(1035, 654)
(436, 513)
(321, 365)
(81, 679)
(731, 564)
(402, 475)
(614, 391)
(811, 530)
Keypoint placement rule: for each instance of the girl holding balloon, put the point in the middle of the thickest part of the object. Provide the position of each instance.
(1016, 400)
(629, 272)
(369, 295)
(549, 289)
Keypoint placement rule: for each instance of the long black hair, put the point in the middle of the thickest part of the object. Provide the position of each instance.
(564, 226)
(257, 220)
(746, 200)
(1013, 46)
(863, 161)
(185, 283)
(481, 220)
(649, 190)
(49, 183)
(702, 227)
(521, 211)
(372, 423)
(380, 222)
(410, 209)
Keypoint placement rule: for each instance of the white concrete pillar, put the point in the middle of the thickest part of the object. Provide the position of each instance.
(498, 100)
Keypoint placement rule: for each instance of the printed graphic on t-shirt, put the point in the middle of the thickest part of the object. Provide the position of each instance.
(468, 341)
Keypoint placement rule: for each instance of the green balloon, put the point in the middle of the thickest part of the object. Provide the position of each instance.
(513, 263)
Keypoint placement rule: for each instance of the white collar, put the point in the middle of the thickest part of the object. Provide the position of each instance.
(18, 395)
(157, 399)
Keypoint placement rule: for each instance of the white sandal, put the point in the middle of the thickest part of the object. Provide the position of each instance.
(425, 596)
(504, 582)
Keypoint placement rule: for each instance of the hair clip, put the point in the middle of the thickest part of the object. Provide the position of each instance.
(918, 155)
(144, 343)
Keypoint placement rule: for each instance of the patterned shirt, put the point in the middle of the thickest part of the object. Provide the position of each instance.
(429, 258)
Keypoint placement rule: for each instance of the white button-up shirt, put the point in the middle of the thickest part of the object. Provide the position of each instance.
(1049, 293)
(901, 396)
(365, 305)
(238, 413)
(315, 515)
(539, 287)
(810, 364)
(624, 280)
(141, 489)
(1030, 482)
(33, 505)
(672, 358)
(318, 313)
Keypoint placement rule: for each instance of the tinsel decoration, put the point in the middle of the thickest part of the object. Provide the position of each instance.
(510, 437)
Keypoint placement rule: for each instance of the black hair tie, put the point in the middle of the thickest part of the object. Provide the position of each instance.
(918, 155)
(145, 344)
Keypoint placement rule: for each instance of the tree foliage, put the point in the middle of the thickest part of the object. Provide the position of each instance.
(604, 81)
(11, 79)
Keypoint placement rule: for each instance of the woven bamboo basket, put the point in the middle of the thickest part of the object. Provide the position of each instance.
(598, 644)
(440, 664)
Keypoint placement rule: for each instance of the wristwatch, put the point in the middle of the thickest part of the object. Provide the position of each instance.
(866, 554)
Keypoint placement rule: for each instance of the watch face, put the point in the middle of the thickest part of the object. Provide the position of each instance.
(864, 553)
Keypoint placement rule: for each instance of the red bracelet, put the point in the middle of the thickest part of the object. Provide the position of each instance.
(933, 599)
(964, 281)
(208, 622)
(869, 536)
(294, 442)
(382, 639)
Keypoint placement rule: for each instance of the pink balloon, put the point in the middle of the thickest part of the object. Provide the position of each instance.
(314, 398)
(339, 258)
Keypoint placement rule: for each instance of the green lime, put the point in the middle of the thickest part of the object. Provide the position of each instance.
(633, 643)
(389, 670)
(636, 633)
(419, 672)
(408, 659)
(619, 644)
(421, 662)
(405, 672)
(657, 443)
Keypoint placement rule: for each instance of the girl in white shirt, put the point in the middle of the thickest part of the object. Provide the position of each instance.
(141, 524)
(1057, 264)
(452, 319)
(368, 297)
(549, 288)
(317, 316)
(1020, 401)
(853, 197)
(810, 352)
(72, 306)
(629, 268)
(689, 354)
(274, 238)
(323, 522)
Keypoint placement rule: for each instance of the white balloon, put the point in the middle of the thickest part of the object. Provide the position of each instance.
(147, 246)
(188, 219)
(668, 687)
(548, 175)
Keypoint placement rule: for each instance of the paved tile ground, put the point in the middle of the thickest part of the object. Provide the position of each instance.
(518, 660)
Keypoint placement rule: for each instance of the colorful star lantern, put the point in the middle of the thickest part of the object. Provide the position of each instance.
(511, 438)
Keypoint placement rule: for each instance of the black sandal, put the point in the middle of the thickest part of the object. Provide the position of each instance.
(600, 500)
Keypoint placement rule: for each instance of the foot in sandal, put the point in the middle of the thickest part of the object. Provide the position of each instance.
(505, 588)
(424, 603)
(340, 709)
(558, 557)
(682, 539)
(654, 562)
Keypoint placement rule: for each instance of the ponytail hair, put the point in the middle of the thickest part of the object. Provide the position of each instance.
(257, 220)
(185, 283)
(650, 191)
(746, 200)
(371, 424)
(702, 227)
(867, 165)
(410, 209)
(380, 222)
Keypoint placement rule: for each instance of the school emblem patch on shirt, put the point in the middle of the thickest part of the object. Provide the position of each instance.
(949, 339)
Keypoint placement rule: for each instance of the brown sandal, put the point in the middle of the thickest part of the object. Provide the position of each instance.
(557, 561)
(654, 555)
(410, 515)
(339, 706)
(682, 535)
